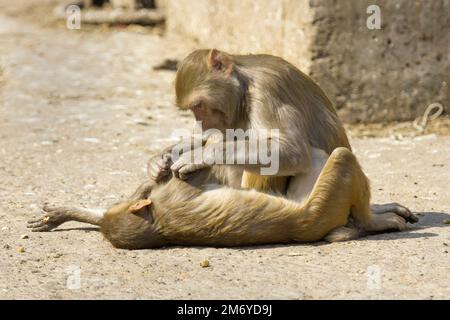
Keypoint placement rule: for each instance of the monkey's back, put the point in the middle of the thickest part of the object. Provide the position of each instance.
(294, 95)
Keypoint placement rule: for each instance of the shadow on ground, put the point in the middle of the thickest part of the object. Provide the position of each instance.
(426, 220)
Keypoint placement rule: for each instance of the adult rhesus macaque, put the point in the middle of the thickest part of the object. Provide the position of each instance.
(200, 211)
(258, 92)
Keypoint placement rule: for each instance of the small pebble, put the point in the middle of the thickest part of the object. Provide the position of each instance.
(446, 221)
(24, 236)
(204, 263)
(21, 249)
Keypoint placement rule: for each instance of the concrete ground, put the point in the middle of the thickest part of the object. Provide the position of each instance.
(80, 111)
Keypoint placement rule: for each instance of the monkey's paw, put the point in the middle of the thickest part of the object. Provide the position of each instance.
(396, 208)
(50, 218)
(386, 222)
(183, 167)
(158, 167)
(184, 171)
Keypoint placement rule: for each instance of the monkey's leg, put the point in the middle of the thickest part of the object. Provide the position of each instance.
(360, 210)
(342, 189)
(302, 185)
(329, 203)
(55, 216)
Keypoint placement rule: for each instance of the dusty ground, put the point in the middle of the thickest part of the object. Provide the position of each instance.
(79, 114)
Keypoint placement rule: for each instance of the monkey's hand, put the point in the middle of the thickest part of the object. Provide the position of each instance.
(185, 165)
(50, 219)
(158, 167)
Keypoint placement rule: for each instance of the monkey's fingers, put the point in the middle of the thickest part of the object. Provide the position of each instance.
(42, 228)
(184, 175)
(50, 218)
(39, 218)
(407, 215)
(175, 168)
(163, 163)
(36, 221)
(404, 212)
(167, 159)
(185, 172)
(156, 173)
(162, 174)
(39, 224)
(396, 208)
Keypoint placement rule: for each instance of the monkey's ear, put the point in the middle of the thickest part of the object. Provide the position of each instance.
(220, 61)
(140, 205)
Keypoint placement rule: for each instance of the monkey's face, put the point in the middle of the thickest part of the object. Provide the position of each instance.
(210, 118)
(205, 84)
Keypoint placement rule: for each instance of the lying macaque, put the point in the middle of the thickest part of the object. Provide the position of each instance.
(201, 211)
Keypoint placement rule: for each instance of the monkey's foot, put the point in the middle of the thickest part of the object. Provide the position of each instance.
(50, 219)
(389, 221)
(396, 208)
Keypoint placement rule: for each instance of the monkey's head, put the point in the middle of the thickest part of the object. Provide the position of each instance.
(129, 225)
(207, 83)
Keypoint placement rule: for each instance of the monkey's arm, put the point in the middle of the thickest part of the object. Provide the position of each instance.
(52, 217)
(55, 216)
(158, 166)
(265, 157)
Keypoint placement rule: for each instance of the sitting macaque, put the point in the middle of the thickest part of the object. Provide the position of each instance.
(254, 92)
(200, 211)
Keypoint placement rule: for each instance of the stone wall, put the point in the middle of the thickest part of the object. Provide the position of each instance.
(372, 75)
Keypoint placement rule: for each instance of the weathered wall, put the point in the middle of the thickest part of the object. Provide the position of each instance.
(246, 26)
(388, 74)
(371, 75)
